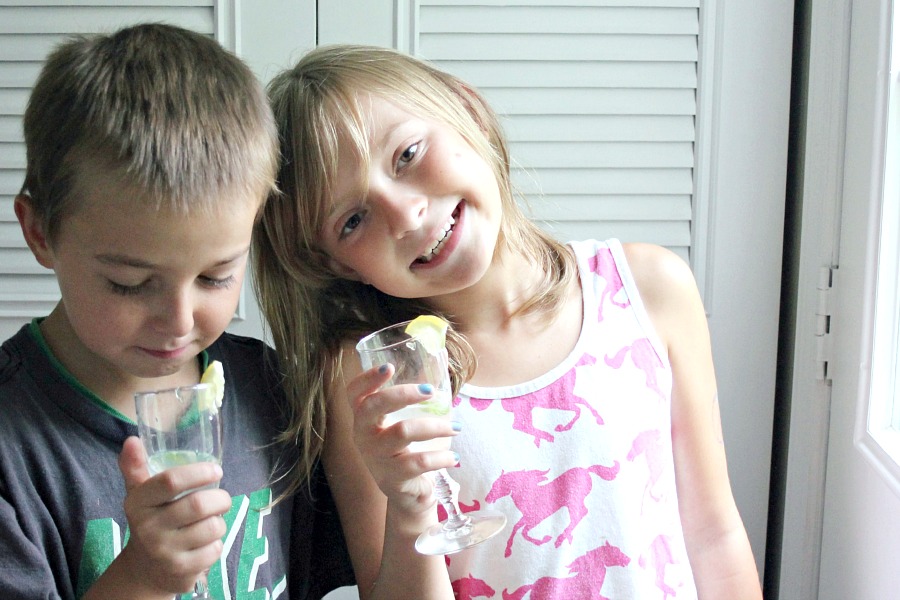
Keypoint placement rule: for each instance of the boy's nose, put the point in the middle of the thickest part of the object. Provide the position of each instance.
(175, 315)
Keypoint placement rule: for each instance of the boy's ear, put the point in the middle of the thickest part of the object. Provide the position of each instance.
(33, 230)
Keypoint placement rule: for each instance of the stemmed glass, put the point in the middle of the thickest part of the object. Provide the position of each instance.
(180, 426)
(414, 364)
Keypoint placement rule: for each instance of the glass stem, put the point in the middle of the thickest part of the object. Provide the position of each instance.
(201, 589)
(446, 489)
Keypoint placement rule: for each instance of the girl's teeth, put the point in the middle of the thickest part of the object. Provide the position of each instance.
(448, 230)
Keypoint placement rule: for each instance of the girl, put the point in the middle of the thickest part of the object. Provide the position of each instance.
(584, 373)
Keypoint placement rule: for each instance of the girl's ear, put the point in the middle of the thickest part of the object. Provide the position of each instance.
(33, 230)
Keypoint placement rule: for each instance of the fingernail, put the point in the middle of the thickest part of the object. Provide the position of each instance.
(457, 426)
(456, 458)
(426, 388)
(217, 468)
(383, 369)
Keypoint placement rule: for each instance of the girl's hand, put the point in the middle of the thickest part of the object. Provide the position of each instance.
(172, 542)
(400, 473)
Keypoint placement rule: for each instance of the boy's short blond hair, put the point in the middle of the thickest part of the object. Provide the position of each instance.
(165, 112)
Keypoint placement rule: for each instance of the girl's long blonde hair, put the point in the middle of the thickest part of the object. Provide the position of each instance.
(311, 312)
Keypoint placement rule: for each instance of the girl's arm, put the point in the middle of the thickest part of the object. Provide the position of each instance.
(717, 542)
(361, 458)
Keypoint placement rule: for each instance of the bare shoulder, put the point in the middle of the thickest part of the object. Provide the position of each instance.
(666, 285)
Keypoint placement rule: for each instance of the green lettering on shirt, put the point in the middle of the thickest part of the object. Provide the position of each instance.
(103, 541)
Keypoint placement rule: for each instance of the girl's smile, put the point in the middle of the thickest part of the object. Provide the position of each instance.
(444, 245)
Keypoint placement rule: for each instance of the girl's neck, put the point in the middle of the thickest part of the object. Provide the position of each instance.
(510, 282)
(512, 345)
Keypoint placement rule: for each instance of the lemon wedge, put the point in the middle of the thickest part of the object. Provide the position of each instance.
(215, 376)
(430, 330)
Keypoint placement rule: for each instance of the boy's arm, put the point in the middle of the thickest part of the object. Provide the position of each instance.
(171, 543)
(380, 533)
(716, 540)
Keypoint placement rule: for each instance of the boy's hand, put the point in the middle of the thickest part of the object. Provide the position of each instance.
(172, 542)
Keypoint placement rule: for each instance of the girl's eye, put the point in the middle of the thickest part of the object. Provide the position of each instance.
(408, 155)
(352, 223)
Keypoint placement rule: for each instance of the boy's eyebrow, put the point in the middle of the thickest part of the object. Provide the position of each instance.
(130, 261)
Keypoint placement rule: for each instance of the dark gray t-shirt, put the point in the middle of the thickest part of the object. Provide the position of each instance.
(61, 491)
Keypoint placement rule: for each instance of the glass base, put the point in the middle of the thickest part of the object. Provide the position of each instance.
(480, 526)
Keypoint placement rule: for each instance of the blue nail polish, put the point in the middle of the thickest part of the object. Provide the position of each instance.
(426, 388)
(383, 369)
(457, 426)
(456, 457)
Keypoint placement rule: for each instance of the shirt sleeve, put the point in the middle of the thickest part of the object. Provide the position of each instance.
(25, 573)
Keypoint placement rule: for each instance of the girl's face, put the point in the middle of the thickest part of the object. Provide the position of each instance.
(424, 220)
(144, 291)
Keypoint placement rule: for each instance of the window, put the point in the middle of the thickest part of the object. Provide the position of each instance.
(879, 433)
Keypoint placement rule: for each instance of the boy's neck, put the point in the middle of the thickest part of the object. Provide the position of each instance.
(111, 385)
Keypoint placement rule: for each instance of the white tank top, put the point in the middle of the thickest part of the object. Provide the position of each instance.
(580, 461)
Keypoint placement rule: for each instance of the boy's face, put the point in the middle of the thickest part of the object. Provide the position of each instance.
(143, 292)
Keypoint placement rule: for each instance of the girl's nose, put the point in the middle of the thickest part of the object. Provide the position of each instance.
(403, 209)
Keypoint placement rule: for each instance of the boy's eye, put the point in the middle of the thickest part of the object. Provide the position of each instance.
(125, 290)
(218, 283)
(408, 155)
(351, 224)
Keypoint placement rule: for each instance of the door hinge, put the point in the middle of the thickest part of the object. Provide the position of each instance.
(824, 287)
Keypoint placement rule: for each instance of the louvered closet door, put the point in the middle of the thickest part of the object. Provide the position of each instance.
(599, 102)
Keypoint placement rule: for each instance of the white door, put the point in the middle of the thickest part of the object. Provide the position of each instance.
(741, 141)
(841, 532)
(861, 531)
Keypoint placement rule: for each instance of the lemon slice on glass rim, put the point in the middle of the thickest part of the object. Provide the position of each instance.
(430, 330)
(215, 376)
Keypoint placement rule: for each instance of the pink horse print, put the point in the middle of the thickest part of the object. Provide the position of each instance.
(649, 445)
(468, 587)
(644, 357)
(604, 265)
(657, 557)
(560, 395)
(537, 499)
(589, 573)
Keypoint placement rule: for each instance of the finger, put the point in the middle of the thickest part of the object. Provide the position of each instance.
(202, 533)
(413, 464)
(434, 432)
(368, 382)
(372, 409)
(133, 463)
(172, 483)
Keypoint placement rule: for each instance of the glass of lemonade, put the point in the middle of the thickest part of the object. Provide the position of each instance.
(180, 426)
(414, 364)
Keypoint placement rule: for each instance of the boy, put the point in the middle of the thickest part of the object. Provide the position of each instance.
(149, 155)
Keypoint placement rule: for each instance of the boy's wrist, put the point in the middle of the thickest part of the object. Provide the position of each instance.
(122, 574)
